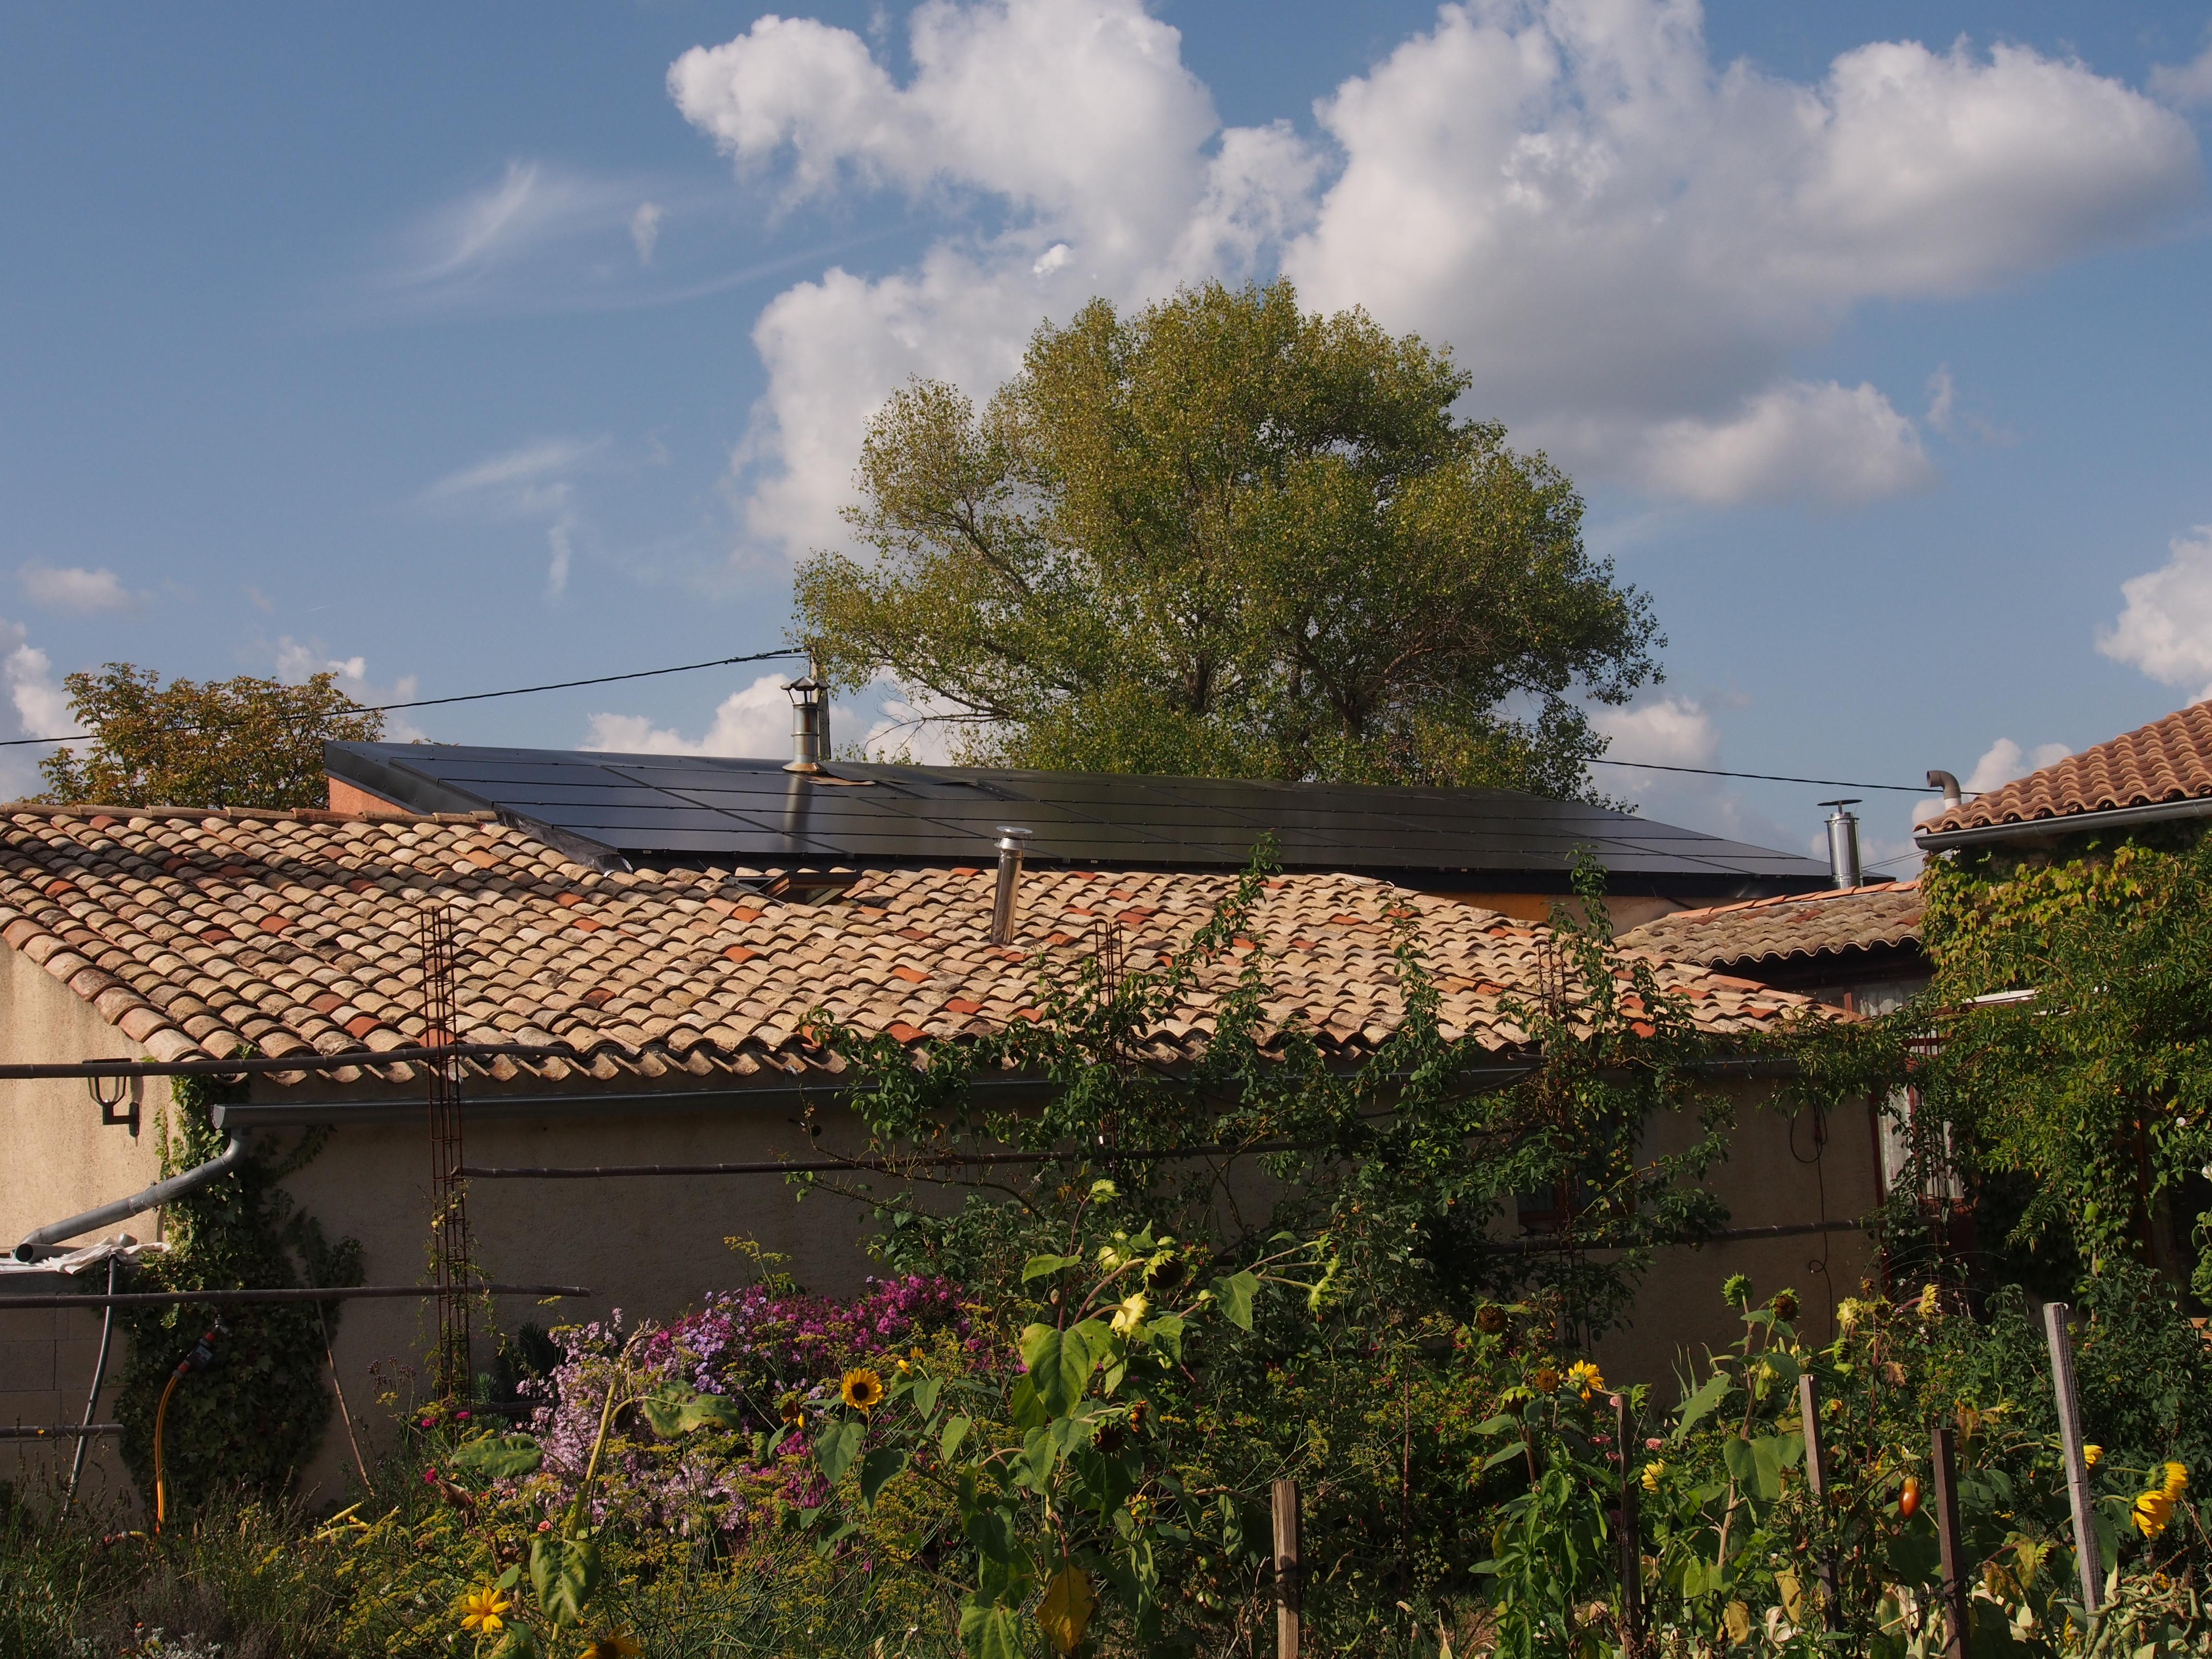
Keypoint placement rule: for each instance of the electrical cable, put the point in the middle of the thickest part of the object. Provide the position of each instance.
(1771, 777)
(432, 702)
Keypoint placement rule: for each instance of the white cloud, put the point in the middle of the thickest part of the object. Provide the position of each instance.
(2166, 629)
(2187, 84)
(41, 707)
(1671, 730)
(466, 243)
(297, 661)
(70, 588)
(1834, 445)
(536, 481)
(645, 230)
(1627, 245)
(755, 722)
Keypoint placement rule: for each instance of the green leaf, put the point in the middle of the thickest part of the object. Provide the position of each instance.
(1235, 1295)
(925, 1394)
(1165, 1331)
(991, 1530)
(1024, 1406)
(704, 1410)
(1059, 1365)
(836, 1447)
(990, 1632)
(664, 1408)
(1700, 1404)
(1498, 1425)
(499, 1457)
(956, 1430)
(508, 1579)
(877, 1467)
(517, 1644)
(1504, 1453)
(1038, 1266)
(564, 1572)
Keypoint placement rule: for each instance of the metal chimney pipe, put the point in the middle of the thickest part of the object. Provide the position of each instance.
(1843, 845)
(810, 723)
(1949, 785)
(1007, 903)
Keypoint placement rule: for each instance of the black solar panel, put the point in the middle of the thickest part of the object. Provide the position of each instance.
(742, 812)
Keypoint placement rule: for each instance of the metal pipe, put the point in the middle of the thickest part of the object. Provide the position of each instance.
(318, 1293)
(92, 1399)
(797, 1166)
(1953, 795)
(1843, 845)
(58, 1431)
(1006, 903)
(245, 1065)
(161, 1193)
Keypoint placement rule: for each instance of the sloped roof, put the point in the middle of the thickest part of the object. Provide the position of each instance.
(2168, 760)
(691, 808)
(1779, 931)
(194, 931)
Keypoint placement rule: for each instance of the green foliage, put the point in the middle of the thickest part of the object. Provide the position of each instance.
(1223, 538)
(242, 742)
(2081, 1103)
(259, 1413)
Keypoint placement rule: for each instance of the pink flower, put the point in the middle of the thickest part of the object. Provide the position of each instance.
(429, 1477)
(461, 1416)
(545, 1526)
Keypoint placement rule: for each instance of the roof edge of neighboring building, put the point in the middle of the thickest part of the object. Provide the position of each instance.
(2052, 826)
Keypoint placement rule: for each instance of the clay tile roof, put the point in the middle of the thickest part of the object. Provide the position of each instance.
(196, 932)
(2168, 760)
(1801, 928)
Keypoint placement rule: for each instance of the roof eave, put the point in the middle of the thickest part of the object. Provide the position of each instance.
(2057, 829)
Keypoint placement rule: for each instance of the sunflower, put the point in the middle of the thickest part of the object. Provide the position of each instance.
(861, 1388)
(481, 1610)
(2152, 1510)
(2177, 1481)
(1584, 1378)
(612, 1645)
(1651, 1472)
(1546, 1381)
(1130, 1315)
(2091, 1454)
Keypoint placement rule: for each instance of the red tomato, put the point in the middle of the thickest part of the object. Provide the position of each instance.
(1908, 1501)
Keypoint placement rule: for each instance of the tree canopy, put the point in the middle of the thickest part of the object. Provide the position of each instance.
(242, 742)
(1222, 537)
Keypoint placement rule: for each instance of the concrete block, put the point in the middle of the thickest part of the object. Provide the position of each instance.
(26, 1364)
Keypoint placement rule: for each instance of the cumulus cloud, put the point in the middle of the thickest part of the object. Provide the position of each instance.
(2166, 629)
(1627, 243)
(536, 481)
(1670, 730)
(2187, 84)
(755, 721)
(297, 662)
(71, 588)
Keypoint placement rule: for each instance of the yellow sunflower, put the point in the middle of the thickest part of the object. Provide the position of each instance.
(2091, 1454)
(1584, 1378)
(611, 1644)
(861, 1388)
(482, 1610)
(2154, 1509)
(1651, 1473)
(2177, 1481)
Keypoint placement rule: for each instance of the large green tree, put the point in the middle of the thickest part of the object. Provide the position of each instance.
(1223, 537)
(242, 742)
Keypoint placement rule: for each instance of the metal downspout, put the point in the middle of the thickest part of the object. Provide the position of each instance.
(161, 1193)
(99, 1374)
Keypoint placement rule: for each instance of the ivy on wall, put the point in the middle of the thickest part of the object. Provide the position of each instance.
(254, 1418)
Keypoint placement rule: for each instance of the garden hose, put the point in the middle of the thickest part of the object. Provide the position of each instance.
(201, 1356)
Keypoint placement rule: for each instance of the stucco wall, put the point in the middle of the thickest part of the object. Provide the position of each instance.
(58, 1160)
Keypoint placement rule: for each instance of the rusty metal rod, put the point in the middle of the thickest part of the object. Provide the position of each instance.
(331, 1293)
(285, 1062)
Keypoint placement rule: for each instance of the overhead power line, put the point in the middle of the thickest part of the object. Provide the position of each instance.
(434, 702)
(1773, 777)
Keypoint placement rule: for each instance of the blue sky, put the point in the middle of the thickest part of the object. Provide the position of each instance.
(467, 346)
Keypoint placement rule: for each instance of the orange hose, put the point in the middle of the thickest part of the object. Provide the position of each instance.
(160, 1414)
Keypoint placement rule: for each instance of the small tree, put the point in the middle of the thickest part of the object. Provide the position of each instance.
(242, 742)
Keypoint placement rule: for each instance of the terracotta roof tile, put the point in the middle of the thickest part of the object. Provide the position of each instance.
(156, 919)
(1800, 927)
(2170, 759)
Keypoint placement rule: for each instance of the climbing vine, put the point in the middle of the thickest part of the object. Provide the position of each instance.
(254, 1417)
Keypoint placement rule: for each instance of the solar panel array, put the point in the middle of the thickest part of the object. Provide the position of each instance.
(754, 812)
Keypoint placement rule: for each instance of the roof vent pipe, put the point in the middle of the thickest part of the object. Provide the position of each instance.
(1949, 785)
(1007, 903)
(810, 722)
(1843, 845)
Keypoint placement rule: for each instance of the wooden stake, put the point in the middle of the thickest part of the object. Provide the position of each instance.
(1816, 1481)
(1943, 1454)
(1632, 1541)
(1287, 1570)
(2057, 1317)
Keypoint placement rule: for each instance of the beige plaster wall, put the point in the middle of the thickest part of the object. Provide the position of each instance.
(55, 1159)
(1775, 1176)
